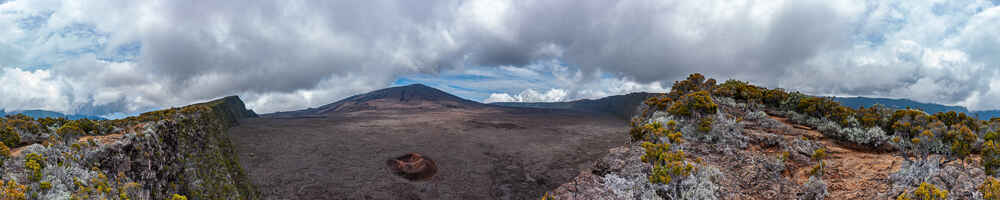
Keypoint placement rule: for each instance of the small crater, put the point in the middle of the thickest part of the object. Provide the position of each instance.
(413, 166)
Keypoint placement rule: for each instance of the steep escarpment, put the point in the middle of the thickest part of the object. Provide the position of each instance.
(179, 152)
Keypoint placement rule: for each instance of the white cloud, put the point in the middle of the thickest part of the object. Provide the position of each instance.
(529, 95)
(500, 97)
(286, 55)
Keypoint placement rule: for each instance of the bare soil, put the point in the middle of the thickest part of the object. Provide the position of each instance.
(849, 173)
(480, 153)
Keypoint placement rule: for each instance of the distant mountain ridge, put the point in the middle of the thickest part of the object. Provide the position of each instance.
(415, 96)
(624, 106)
(856, 102)
(52, 114)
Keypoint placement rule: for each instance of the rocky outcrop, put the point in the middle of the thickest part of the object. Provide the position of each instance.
(182, 151)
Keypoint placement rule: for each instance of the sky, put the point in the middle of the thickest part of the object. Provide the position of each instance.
(118, 57)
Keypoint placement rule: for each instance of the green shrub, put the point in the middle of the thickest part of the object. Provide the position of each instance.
(955, 118)
(649, 130)
(9, 136)
(178, 197)
(926, 191)
(694, 82)
(820, 107)
(659, 103)
(45, 185)
(693, 104)
(908, 122)
(962, 140)
(705, 124)
(991, 157)
(739, 90)
(872, 116)
(13, 191)
(70, 129)
(818, 156)
(24, 125)
(35, 163)
(775, 97)
(667, 165)
(990, 188)
(4, 153)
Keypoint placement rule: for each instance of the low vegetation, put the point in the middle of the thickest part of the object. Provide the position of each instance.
(923, 140)
(925, 192)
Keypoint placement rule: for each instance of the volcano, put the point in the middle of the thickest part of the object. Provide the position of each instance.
(410, 97)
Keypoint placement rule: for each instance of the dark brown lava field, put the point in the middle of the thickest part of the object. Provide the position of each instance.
(340, 151)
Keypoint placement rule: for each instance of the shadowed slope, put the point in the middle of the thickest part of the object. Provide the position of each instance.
(624, 106)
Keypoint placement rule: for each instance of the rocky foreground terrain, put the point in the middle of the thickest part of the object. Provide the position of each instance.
(738, 141)
(180, 153)
(702, 140)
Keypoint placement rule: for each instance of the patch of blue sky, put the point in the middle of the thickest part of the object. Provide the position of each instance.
(442, 84)
(119, 115)
(479, 82)
(69, 42)
(33, 22)
(123, 53)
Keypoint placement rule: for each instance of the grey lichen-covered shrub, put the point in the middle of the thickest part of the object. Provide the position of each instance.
(873, 136)
(756, 115)
(699, 185)
(815, 188)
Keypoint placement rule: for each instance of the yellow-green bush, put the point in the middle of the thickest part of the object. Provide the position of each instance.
(694, 82)
(667, 164)
(705, 124)
(739, 90)
(774, 97)
(45, 185)
(178, 197)
(4, 152)
(871, 116)
(818, 155)
(961, 142)
(24, 125)
(35, 163)
(659, 103)
(649, 130)
(990, 188)
(70, 129)
(952, 118)
(13, 191)
(696, 102)
(548, 196)
(991, 157)
(908, 122)
(820, 107)
(654, 151)
(926, 191)
(9, 136)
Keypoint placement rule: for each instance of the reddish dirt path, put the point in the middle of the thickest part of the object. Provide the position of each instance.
(849, 173)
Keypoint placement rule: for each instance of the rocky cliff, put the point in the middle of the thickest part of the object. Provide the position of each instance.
(173, 153)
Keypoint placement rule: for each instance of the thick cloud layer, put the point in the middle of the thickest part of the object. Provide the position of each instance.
(107, 56)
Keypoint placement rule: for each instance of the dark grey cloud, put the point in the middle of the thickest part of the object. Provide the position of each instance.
(293, 54)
